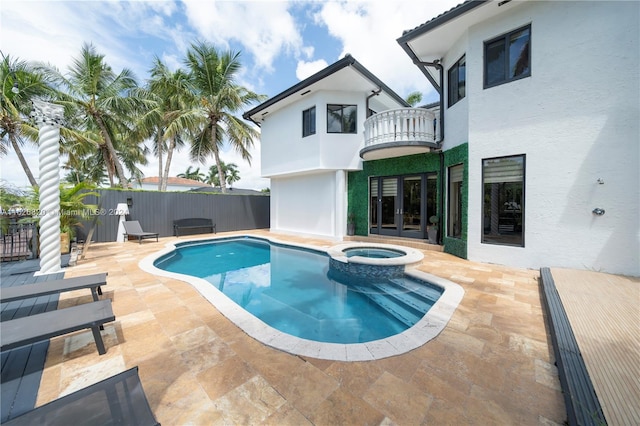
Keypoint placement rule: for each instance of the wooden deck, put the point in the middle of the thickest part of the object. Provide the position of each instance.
(604, 314)
(21, 368)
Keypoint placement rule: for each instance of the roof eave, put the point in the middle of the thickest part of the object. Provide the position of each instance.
(348, 60)
(442, 19)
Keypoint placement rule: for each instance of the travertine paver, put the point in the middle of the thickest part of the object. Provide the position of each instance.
(492, 364)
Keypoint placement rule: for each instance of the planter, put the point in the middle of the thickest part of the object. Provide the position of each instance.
(432, 233)
(65, 243)
(351, 228)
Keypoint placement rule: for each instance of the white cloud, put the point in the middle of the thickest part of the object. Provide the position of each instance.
(130, 33)
(265, 29)
(368, 31)
(307, 69)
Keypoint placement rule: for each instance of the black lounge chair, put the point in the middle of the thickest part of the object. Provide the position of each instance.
(132, 228)
(35, 328)
(26, 291)
(117, 400)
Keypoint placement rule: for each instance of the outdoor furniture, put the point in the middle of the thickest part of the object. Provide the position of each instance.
(132, 228)
(193, 226)
(34, 328)
(580, 398)
(117, 400)
(26, 291)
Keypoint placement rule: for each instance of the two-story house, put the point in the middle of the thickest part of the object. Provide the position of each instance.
(311, 136)
(530, 158)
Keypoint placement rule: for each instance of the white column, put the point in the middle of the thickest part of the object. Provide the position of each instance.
(48, 117)
(122, 210)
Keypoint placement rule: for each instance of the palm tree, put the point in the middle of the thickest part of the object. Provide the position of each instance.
(192, 174)
(162, 122)
(212, 77)
(230, 173)
(105, 101)
(15, 108)
(414, 98)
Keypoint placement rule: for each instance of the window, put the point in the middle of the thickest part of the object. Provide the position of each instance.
(503, 195)
(507, 57)
(457, 81)
(341, 118)
(454, 219)
(309, 122)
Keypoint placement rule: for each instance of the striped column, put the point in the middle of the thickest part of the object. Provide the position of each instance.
(48, 117)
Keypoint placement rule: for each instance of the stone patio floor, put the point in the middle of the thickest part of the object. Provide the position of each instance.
(492, 364)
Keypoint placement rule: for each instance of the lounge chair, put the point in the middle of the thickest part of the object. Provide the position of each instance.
(117, 400)
(26, 291)
(132, 228)
(35, 328)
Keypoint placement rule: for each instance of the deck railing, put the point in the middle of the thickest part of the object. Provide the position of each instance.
(400, 125)
(19, 241)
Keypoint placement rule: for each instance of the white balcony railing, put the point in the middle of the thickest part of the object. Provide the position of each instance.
(400, 125)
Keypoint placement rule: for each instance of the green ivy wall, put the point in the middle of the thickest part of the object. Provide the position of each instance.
(358, 188)
(459, 155)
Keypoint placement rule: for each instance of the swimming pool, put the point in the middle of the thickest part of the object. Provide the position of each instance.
(284, 296)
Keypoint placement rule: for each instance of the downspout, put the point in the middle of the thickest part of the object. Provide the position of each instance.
(441, 199)
(437, 65)
(366, 104)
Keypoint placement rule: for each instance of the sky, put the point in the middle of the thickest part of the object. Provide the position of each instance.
(281, 43)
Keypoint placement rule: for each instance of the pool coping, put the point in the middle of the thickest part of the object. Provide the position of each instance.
(426, 329)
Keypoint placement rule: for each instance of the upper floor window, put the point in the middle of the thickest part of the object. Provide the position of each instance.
(457, 81)
(341, 118)
(309, 121)
(508, 57)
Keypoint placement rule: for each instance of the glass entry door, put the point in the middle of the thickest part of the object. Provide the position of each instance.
(398, 205)
(411, 210)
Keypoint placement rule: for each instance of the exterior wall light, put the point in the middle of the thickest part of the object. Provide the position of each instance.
(598, 211)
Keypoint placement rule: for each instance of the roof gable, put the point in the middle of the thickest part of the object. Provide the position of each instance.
(347, 73)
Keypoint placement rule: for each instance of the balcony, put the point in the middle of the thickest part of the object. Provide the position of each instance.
(399, 132)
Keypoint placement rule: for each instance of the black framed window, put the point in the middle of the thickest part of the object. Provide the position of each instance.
(457, 80)
(508, 57)
(309, 121)
(341, 118)
(503, 205)
(454, 205)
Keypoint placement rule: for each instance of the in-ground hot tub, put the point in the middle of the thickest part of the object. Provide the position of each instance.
(364, 261)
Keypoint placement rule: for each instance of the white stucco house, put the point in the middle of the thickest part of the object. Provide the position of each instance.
(530, 158)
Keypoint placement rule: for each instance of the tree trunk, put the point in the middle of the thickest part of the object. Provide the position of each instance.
(216, 154)
(112, 151)
(160, 168)
(165, 178)
(108, 165)
(23, 162)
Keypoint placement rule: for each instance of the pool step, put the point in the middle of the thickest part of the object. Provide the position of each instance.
(424, 290)
(400, 311)
(407, 301)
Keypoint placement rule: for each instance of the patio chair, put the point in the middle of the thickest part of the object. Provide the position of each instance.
(35, 328)
(117, 400)
(132, 228)
(44, 288)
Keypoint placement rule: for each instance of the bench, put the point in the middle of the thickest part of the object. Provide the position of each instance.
(26, 291)
(580, 398)
(193, 226)
(35, 328)
(117, 400)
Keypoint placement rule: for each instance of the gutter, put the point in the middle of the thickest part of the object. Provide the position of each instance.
(373, 93)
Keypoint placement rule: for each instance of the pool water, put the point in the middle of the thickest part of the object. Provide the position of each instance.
(291, 290)
(373, 252)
